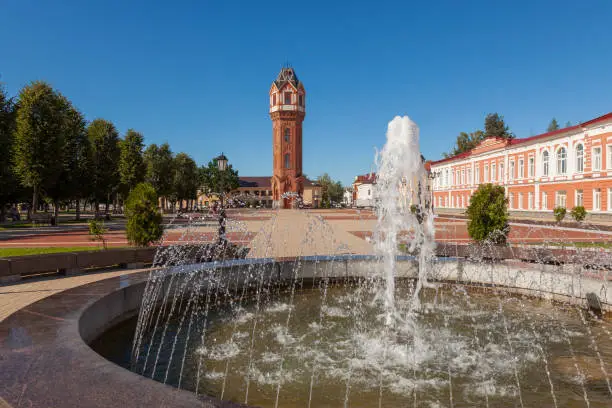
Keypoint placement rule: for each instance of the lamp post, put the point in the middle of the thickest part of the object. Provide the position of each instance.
(222, 166)
(433, 175)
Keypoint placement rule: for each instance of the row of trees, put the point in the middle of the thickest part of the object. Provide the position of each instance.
(494, 125)
(554, 125)
(331, 191)
(49, 151)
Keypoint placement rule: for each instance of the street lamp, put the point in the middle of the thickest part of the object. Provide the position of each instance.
(222, 166)
(222, 162)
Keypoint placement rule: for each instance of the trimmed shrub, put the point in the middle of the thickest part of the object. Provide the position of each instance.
(488, 215)
(559, 213)
(578, 213)
(144, 221)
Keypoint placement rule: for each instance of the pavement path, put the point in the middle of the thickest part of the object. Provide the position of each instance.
(19, 295)
(300, 233)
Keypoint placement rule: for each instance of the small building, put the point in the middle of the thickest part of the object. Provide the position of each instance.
(258, 191)
(363, 190)
(347, 197)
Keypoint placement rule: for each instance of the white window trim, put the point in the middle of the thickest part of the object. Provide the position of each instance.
(598, 202)
(546, 162)
(593, 168)
(576, 198)
(576, 158)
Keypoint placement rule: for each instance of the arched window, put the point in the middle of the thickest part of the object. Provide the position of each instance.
(561, 161)
(579, 158)
(287, 161)
(287, 134)
(545, 163)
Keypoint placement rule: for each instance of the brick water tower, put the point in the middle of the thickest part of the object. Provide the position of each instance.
(287, 111)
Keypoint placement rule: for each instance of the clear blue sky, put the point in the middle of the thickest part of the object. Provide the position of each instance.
(197, 73)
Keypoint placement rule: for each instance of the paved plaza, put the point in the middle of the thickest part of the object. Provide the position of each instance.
(269, 234)
(285, 233)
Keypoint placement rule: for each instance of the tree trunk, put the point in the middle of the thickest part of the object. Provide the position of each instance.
(55, 212)
(34, 201)
(78, 209)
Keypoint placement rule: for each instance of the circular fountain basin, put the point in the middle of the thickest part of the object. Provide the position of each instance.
(314, 332)
(47, 359)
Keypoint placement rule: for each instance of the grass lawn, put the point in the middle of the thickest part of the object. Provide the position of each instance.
(12, 252)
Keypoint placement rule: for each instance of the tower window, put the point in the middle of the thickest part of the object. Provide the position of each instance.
(287, 98)
(287, 161)
(287, 134)
(301, 100)
(274, 99)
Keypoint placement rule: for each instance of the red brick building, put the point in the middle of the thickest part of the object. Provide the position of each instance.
(287, 111)
(567, 167)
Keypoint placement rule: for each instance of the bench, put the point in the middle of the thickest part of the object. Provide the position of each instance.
(42, 218)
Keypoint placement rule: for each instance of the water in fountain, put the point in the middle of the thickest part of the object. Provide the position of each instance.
(402, 205)
(353, 333)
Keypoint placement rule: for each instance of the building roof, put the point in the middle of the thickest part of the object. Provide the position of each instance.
(260, 182)
(286, 75)
(369, 178)
(513, 142)
(265, 182)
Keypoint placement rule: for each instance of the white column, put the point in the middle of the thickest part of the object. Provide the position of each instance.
(536, 201)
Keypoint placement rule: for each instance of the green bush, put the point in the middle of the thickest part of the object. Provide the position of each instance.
(559, 213)
(97, 231)
(578, 213)
(488, 214)
(144, 221)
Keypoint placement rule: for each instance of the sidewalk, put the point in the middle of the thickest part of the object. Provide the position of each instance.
(300, 233)
(19, 295)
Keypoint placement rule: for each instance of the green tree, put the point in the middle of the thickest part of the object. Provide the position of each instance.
(39, 138)
(144, 221)
(105, 153)
(466, 142)
(553, 125)
(568, 124)
(488, 214)
(75, 176)
(159, 163)
(186, 178)
(496, 127)
(97, 231)
(212, 180)
(131, 161)
(330, 190)
(9, 183)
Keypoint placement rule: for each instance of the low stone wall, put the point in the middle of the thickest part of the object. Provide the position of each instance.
(14, 269)
(71, 263)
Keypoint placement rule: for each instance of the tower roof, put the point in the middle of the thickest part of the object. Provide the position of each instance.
(286, 75)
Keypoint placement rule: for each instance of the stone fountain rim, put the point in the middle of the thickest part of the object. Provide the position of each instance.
(49, 361)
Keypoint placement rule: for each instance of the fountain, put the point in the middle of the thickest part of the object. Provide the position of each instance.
(385, 330)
